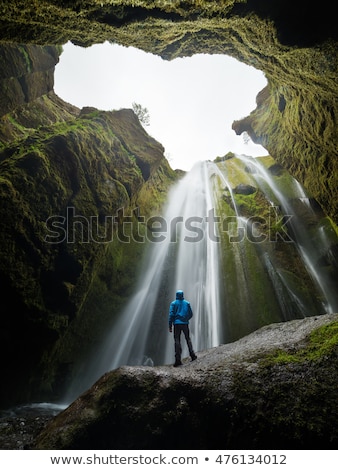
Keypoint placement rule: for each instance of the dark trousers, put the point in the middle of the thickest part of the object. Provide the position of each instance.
(177, 338)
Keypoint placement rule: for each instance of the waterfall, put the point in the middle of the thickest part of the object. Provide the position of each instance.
(312, 239)
(197, 270)
(207, 245)
(183, 256)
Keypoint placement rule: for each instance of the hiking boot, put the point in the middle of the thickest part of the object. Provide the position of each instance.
(177, 364)
(193, 358)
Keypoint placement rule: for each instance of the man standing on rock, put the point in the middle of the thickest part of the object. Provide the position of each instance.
(180, 313)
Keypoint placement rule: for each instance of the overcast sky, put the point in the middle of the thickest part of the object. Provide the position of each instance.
(192, 102)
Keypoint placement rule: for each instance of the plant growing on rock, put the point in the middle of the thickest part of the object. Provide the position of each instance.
(142, 114)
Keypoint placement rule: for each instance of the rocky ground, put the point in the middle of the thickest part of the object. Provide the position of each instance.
(19, 426)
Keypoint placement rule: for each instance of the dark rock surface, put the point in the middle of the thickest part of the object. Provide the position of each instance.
(231, 397)
(19, 426)
(245, 189)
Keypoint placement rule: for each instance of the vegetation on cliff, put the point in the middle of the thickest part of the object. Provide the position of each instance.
(260, 245)
(293, 45)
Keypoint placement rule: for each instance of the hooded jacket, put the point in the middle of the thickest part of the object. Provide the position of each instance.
(180, 310)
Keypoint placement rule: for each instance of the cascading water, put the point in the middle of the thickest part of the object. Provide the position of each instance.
(313, 243)
(197, 267)
(183, 255)
(236, 280)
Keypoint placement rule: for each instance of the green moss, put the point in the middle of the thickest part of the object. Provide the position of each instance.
(295, 117)
(26, 58)
(321, 342)
(225, 157)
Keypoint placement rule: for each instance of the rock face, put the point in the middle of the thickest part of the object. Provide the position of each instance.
(27, 73)
(274, 389)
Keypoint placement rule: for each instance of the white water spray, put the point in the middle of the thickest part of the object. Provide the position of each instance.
(184, 257)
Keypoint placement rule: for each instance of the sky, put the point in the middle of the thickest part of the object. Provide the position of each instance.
(192, 101)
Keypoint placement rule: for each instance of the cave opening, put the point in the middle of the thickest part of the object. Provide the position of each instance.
(191, 102)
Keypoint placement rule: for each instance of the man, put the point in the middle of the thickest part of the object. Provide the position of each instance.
(180, 313)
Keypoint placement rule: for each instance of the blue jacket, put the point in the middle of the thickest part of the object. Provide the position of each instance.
(180, 310)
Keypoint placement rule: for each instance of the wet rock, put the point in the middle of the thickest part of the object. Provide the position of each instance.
(245, 189)
(233, 396)
(19, 426)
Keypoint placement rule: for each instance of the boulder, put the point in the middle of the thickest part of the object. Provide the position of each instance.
(245, 189)
(273, 389)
